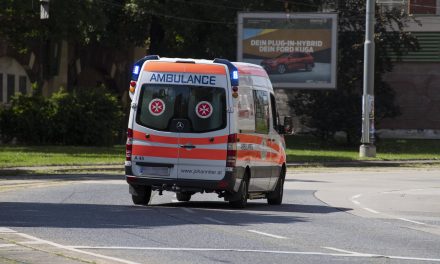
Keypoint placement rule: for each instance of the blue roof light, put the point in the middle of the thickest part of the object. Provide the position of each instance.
(136, 69)
(233, 71)
(235, 75)
(137, 66)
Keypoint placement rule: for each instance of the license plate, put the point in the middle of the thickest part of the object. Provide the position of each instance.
(155, 171)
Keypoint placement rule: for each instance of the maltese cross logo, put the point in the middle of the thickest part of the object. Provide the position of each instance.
(156, 107)
(204, 109)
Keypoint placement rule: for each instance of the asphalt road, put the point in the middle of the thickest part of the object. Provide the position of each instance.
(360, 221)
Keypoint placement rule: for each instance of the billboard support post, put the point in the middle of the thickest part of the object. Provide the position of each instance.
(368, 149)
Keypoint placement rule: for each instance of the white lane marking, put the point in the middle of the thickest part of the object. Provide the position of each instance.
(75, 250)
(267, 234)
(7, 245)
(410, 258)
(32, 243)
(347, 251)
(412, 221)
(214, 220)
(356, 196)
(371, 210)
(409, 190)
(187, 210)
(211, 249)
(351, 254)
(6, 230)
(357, 254)
(376, 212)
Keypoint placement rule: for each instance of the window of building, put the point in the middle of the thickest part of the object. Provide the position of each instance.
(10, 86)
(423, 7)
(1, 88)
(22, 84)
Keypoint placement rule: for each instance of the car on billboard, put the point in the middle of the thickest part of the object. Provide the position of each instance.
(289, 62)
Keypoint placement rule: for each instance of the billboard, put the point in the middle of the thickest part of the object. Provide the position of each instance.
(297, 50)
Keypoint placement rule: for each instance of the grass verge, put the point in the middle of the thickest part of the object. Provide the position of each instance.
(299, 149)
(309, 149)
(15, 156)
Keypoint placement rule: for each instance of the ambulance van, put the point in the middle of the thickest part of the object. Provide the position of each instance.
(203, 126)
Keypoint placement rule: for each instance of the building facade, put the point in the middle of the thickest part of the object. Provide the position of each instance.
(416, 76)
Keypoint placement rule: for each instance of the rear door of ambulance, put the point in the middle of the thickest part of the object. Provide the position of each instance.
(183, 110)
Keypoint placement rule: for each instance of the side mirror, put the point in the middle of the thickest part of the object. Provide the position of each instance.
(288, 125)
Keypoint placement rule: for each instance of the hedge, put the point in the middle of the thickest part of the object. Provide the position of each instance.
(88, 116)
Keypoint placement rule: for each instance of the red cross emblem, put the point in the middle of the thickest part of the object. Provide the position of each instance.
(204, 109)
(156, 107)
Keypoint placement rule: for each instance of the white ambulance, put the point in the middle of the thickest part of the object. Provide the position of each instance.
(204, 126)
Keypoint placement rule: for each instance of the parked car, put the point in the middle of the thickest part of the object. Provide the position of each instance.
(289, 62)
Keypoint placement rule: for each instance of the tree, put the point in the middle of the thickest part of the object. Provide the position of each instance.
(199, 29)
(331, 111)
(178, 28)
(77, 21)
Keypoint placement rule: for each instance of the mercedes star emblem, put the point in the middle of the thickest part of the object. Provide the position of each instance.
(180, 125)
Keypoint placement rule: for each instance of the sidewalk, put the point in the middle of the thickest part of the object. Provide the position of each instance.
(366, 163)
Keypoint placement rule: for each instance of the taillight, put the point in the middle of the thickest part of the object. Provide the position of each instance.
(132, 86)
(235, 91)
(129, 145)
(231, 152)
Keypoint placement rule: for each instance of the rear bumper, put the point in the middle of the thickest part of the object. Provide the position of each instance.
(231, 182)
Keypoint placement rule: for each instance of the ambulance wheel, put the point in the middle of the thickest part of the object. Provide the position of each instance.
(142, 196)
(183, 196)
(241, 202)
(276, 197)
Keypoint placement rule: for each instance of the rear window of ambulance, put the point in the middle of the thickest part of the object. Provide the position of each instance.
(204, 107)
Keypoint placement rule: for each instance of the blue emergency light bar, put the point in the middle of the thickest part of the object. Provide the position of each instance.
(137, 66)
(233, 71)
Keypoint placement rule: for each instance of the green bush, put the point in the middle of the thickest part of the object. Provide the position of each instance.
(86, 117)
(89, 117)
(6, 125)
(29, 120)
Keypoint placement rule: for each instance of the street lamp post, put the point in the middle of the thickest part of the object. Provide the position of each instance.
(368, 149)
(44, 9)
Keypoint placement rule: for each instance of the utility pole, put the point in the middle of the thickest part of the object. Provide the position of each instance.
(368, 149)
(44, 15)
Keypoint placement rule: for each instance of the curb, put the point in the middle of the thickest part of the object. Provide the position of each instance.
(67, 167)
(365, 163)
